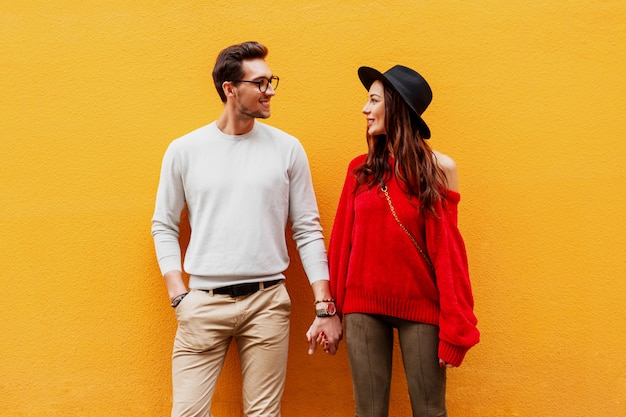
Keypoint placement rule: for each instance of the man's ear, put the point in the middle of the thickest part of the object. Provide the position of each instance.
(228, 87)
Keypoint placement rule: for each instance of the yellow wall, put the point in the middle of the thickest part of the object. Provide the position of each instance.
(529, 99)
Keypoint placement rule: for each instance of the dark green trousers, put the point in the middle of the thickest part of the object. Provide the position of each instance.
(369, 340)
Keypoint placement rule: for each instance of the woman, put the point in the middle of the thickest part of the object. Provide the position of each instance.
(397, 259)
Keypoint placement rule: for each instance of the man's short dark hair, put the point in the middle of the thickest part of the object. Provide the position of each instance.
(229, 63)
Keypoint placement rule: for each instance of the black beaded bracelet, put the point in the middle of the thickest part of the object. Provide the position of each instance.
(176, 301)
(325, 300)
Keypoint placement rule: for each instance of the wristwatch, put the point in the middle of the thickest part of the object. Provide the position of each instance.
(328, 310)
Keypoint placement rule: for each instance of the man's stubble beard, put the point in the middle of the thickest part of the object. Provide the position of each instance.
(253, 114)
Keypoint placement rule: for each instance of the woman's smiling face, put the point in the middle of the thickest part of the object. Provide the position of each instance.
(374, 109)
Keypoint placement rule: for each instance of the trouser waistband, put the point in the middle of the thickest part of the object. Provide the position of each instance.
(239, 290)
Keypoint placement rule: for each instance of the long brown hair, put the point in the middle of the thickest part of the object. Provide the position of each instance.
(415, 165)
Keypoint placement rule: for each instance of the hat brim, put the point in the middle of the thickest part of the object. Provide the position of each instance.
(368, 75)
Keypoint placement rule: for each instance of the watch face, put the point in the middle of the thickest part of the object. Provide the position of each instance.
(330, 308)
(326, 311)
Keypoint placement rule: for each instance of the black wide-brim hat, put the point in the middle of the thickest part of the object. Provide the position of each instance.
(411, 86)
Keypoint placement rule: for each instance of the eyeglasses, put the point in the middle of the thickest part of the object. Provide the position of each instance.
(263, 83)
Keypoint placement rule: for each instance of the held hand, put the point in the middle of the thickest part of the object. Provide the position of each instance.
(325, 331)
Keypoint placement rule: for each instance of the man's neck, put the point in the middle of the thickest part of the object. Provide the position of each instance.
(232, 125)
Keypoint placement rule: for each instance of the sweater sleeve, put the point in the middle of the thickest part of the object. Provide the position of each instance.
(170, 201)
(305, 218)
(457, 322)
(340, 239)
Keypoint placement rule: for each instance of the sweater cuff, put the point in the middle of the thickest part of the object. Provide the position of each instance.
(314, 261)
(451, 354)
(169, 263)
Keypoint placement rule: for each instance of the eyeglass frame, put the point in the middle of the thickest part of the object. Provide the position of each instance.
(258, 83)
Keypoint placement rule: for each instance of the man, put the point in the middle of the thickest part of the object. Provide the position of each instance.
(241, 181)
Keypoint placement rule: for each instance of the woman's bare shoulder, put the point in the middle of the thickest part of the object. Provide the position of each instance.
(448, 166)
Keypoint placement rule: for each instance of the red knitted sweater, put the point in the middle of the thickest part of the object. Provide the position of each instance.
(376, 269)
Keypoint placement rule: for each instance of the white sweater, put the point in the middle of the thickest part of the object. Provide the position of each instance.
(240, 191)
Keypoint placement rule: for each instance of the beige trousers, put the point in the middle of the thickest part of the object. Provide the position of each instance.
(207, 323)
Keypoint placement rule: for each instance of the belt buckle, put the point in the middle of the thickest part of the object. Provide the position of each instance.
(243, 289)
